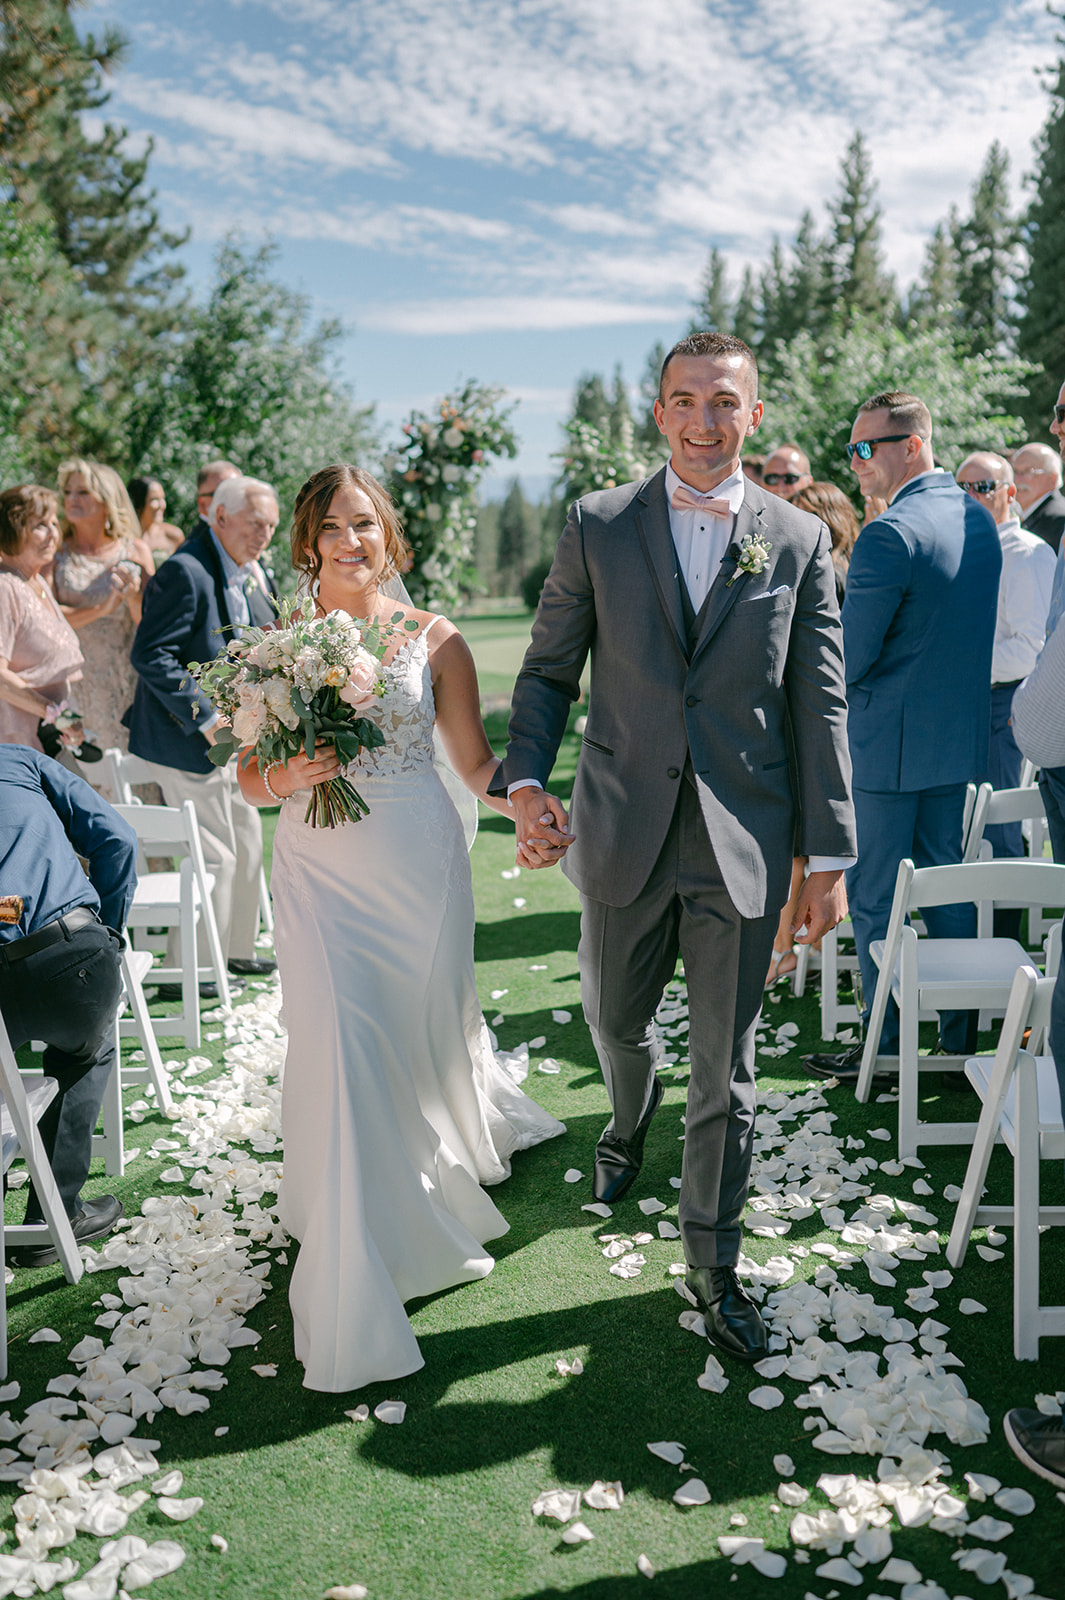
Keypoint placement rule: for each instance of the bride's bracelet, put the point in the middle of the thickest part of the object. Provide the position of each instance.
(268, 786)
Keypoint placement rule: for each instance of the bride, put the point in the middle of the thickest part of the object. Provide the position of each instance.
(394, 1110)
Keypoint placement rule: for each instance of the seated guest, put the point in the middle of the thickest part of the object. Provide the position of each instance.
(59, 963)
(210, 475)
(838, 515)
(149, 502)
(212, 584)
(99, 570)
(1020, 628)
(1037, 473)
(786, 471)
(40, 657)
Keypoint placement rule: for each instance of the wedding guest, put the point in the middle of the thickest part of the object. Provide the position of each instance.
(149, 502)
(212, 583)
(40, 656)
(786, 471)
(837, 513)
(1051, 778)
(60, 979)
(210, 475)
(1020, 629)
(918, 633)
(1037, 472)
(98, 572)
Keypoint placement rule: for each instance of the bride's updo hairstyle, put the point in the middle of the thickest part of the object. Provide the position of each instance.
(312, 508)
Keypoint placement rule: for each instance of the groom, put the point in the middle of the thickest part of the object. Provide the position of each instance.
(715, 749)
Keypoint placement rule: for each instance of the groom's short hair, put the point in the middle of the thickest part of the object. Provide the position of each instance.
(711, 343)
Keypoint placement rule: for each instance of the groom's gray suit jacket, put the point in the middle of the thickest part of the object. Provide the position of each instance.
(751, 691)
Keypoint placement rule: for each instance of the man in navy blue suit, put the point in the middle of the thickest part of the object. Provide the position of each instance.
(213, 584)
(918, 631)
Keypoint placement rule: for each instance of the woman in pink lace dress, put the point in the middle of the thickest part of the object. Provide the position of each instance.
(100, 569)
(40, 660)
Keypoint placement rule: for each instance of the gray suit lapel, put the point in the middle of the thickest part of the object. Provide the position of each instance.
(652, 526)
(723, 594)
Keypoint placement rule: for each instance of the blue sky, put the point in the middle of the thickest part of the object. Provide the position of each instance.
(523, 190)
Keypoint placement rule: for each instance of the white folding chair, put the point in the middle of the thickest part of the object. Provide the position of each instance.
(927, 975)
(177, 899)
(122, 771)
(835, 960)
(1029, 773)
(994, 807)
(1021, 1104)
(20, 1112)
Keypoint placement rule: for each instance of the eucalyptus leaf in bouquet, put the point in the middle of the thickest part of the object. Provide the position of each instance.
(299, 684)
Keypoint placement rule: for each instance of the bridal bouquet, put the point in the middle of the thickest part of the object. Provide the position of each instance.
(288, 688)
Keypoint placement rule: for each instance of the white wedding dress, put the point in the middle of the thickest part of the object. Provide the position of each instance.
(395, 1109)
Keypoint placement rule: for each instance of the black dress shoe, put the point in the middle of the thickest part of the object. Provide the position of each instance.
(846, 1067)
(249, 967)
(208, 991)
(95, 1220)
(733, 1321)
(618, 1161)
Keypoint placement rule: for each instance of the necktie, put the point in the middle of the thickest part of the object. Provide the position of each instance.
(685, 499)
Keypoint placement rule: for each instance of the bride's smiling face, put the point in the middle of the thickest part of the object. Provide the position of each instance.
(351, 545)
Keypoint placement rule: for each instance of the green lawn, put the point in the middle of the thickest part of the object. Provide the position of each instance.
(498, 641)
(439, 1507)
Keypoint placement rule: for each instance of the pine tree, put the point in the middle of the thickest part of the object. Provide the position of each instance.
(860, 283)
(745, 313)
(713, 307)
(933, 299)
(590, 401)
(986, 247)
(1042, 329)
(518, 539)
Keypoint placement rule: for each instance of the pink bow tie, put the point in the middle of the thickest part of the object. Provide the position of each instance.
(685, 499)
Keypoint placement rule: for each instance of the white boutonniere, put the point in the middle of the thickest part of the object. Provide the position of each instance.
(753, 556)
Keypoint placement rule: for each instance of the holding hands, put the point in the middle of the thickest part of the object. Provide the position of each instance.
(542, 827)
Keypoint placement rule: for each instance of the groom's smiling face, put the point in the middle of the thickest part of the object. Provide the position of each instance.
(708, 408)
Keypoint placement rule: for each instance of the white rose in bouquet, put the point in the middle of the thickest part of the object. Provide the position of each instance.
(310, 672)
(249, 719)
(278, 699)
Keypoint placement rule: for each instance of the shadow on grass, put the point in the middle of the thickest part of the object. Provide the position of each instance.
(537, 933)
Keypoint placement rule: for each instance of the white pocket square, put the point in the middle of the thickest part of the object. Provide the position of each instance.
(770, 594)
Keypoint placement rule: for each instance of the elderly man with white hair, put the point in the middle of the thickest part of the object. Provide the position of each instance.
(212, 586)
(1037, 472)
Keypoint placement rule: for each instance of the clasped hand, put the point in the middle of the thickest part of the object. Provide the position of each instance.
(542, 828)
(300, 773)
(822, 904)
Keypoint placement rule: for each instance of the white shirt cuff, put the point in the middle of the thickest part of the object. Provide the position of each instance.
(523, 783)
(831, 863)
(212, 721)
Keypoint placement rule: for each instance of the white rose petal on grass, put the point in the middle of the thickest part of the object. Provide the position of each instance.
(991, 1528)
(549, 1065)
(220, 1543)
(770, 1563)
(572, 1175)
(771, 1366)
(792, 1494)
(349, 1591)
(666, 1230)
(712, 1378)
(598, 1209)
(577, 1533)
(360, 1414)
(970, 1308)
(840, 1571)
(982, 1484)
(569, 1369)
(562, 1016)
(784, 1465)
(898, 1571)
(767, 1398)
(44, 1336)
(172, 1483)
(390, 1411)
(604, 1496)
(692, 1493)
(668, 1450)
(266, 1369)
(739, 1548)
(1018, 1502)
(179, 1510)
(651, 1207)
(879, 1133)
(986, 1565)
(644, 1567)
(158, 1561)
(519, 904)
(220, 1433)
(497, 994)
(562, 1504)
(537, 1043)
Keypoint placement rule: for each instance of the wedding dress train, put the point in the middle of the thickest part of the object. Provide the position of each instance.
(395, 1110)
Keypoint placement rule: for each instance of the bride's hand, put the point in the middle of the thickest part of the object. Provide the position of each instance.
(299, 773)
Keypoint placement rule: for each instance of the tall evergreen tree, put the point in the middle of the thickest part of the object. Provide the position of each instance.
(713, 307)
(933, 299)
(591, 402)
(860, 283)
(519, 531)
(986, 248)
(745, 312)
(1042, 329)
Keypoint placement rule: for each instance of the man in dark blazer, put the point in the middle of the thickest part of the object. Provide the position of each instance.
(918, 631)
(1037, 474)
(715, 746)
(212, 584)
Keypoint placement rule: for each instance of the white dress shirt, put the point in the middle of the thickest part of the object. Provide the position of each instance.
(1024, 589)
(699, 539)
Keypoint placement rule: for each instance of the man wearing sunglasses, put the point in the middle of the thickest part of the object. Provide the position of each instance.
(786, 472)
(918, 631)
(1020, 628)
(1037, 473)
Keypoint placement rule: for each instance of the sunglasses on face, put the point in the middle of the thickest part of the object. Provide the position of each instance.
(981, 486)
(864, 448)
(1059, 415)
(781, 477)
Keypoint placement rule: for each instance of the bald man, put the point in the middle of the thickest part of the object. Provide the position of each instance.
(786, 471)
(1037, 472)
(1020, 628)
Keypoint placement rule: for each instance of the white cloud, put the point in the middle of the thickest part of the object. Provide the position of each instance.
(511, 313)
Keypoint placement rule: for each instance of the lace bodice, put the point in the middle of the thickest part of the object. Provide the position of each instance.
(405, 713)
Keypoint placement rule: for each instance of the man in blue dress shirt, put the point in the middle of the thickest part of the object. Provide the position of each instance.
(918, 633)
(59, 961)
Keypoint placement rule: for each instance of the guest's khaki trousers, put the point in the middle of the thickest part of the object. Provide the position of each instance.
(232, 838)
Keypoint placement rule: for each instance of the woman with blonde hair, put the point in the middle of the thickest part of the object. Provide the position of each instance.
(99, 571)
